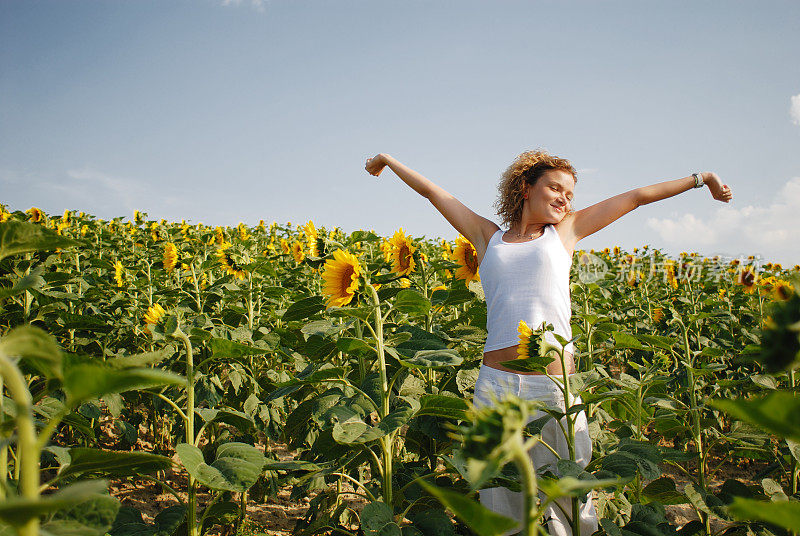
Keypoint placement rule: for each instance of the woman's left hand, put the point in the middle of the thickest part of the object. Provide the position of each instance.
(719, 191)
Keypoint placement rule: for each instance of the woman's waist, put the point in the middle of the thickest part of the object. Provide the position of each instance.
(493, 358)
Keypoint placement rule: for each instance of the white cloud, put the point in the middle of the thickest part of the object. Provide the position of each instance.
(116, 185)
(117, 194)
(771, 231)
(794, 109)
(258, 5)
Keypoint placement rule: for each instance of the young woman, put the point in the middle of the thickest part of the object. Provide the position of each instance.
(525, 276)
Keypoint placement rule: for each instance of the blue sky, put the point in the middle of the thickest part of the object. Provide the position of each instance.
(223, 112)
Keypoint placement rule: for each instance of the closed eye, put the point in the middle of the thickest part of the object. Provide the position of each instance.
(556, 189)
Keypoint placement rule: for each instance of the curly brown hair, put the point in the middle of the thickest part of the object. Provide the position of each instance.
(526, 169)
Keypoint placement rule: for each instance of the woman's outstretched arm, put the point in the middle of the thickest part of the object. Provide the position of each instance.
(591, 219)
(475, 228)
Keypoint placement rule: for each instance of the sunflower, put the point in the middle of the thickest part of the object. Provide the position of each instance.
(154, 314)
(782, 290)
(635, 278)
(402, 253)
(766, 284)
(447, 250)
(672, 280)
(230, 265)
(37, 216)
(341, 278)
(748, 278)
(297, 252)
(219, 236)
(464, 254)
(658, 315)
(311, 239)
(170, 256)
(119, 273)
(528, 345)
(242, 228)
(154, 231)
(386, 248)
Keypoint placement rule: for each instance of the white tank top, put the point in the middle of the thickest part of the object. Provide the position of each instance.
(526, 281)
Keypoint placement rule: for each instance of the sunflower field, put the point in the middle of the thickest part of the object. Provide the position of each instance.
(223, 366)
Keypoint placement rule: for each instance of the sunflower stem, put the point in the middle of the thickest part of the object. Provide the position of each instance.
(196, 289)
(362, 365)
(795, 469)
(192, 510)
(28, 452)
(3, 448)
(519, 455)
(571, 417)
(387, 441)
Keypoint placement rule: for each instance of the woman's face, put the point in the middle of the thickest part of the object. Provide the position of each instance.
(551, 197)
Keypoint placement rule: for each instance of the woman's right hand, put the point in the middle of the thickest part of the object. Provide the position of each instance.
(376, 164)
(719, 191)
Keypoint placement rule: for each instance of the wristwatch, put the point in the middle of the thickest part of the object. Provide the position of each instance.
(698, 180)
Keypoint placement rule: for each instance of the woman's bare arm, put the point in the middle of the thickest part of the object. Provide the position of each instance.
(475, 228)
(591, 219)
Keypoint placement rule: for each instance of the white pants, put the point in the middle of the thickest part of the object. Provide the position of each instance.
(499, 383)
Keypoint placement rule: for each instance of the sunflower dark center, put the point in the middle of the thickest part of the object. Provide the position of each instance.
(470, 259)
(783, 292)
(347, 278)
(404, 257)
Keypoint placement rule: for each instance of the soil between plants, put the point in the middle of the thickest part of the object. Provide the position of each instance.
(277, 515)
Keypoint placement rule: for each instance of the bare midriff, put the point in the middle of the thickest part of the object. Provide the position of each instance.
(493, 359)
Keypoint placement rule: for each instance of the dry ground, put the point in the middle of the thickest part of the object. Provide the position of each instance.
(277, 515)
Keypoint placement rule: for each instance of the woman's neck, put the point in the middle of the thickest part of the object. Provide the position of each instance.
(528, 230)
